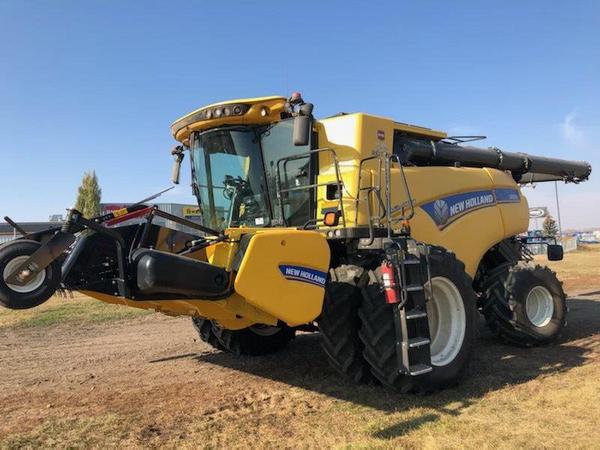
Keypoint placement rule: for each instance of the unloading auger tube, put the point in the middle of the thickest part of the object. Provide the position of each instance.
(524, 167)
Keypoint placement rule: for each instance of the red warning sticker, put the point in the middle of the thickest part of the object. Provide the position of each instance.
(380, 135)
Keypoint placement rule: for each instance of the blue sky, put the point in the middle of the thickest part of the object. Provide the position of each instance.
(96, 84)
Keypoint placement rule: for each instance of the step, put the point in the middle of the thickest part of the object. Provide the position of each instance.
(417, 342)
(419, 369)
(415, 314)
(414, 288)
(410, 262)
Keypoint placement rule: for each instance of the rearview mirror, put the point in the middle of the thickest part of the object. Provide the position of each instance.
(302, 127)
(555, 252)
(177, 153)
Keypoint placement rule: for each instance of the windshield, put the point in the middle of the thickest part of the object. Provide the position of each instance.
(234, 171)
(229, 176)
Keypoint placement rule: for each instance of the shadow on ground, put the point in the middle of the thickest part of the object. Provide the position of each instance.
(494, 366)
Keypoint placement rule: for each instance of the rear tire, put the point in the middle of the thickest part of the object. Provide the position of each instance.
(525, 304)
(253, 341)
(378, 332)
(339, 324)
(39, 289)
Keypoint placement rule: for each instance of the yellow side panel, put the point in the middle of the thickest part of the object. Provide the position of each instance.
(514, 215)
(283, 274)
(469, 237)
(472, 234)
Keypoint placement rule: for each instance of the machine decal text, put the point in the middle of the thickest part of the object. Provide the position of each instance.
(304, 274)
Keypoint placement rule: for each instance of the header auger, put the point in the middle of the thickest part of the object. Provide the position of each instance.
(388, 238)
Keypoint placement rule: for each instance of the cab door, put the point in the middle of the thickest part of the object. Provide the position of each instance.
(294, 174)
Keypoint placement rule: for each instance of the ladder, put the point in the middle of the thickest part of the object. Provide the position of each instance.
(413, 344)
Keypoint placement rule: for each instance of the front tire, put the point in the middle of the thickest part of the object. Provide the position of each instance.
(40, 287)
(525, 305)
(451, 315)
(254, 340)
(204, 328)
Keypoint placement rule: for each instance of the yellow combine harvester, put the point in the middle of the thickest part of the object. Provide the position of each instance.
(386, 236)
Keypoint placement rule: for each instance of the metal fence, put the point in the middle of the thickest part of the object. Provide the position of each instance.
(569, 244)
(5, 238)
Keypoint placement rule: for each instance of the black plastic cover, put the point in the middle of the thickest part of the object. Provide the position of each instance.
(166, 273)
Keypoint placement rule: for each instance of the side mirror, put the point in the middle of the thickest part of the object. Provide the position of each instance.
(555, 252)
(302, 127)
(177, 153)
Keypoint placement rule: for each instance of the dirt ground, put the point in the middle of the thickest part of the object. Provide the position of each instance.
(146, 381)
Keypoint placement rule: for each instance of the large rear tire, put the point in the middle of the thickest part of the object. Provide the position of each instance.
(451, 314)
(525, 304)
(339, 324)
(40, 287)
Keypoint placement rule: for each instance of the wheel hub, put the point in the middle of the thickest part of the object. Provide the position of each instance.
(539, 306)
(34, 282)
(447, 321)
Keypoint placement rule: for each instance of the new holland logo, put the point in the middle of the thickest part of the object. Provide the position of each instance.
(445, 210)
(303, 274)
(441, 212)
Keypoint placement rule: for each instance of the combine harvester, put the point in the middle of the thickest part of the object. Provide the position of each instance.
(387, 238)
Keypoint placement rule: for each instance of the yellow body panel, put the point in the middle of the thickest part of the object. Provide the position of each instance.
(261, 282)
(473, 234)
(233, 313)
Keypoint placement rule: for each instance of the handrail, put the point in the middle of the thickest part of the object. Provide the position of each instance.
(385, 162)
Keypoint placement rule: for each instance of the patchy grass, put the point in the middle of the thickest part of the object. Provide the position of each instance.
(80, 309)
(85, 432)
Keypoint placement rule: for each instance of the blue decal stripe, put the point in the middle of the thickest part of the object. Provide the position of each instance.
(446, 210)
(507, 196)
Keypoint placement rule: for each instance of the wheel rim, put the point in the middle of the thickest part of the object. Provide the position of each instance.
(34, 283)
(264, 330)
(539, 306)
(447, 321)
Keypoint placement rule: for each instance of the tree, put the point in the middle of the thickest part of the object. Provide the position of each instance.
(88, 196)
(550, 227)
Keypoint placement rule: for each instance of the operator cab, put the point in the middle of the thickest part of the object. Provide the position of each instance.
(236, 150)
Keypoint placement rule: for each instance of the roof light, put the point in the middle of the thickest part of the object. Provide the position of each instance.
(213, 112)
